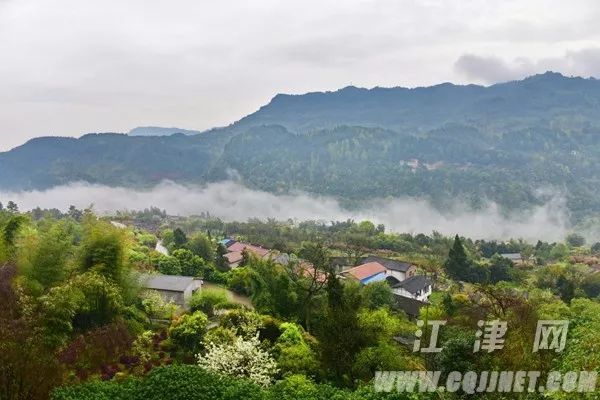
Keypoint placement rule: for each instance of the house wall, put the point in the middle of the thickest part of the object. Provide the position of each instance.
(423, 296)
(403, 275)
(175, 297)
(397, 274)
(189, 291)
(180, 298)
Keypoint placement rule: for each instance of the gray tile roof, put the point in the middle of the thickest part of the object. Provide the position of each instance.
(172, 283)
(410, 306)
(414, 283)
(512, 256)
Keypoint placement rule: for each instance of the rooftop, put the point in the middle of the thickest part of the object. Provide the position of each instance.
(172, 283)
(512, 256)
(414, 283)
(388, 263)
(240, 246)
(408, 305)
(366, 270)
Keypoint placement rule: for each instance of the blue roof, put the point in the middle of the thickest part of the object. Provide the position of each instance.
(227, 242)
(374, 278)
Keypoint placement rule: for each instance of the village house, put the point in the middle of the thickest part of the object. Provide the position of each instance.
(516, 258)
(366, 273)
(400, 275)
(235, 251)
(178, 289)
(416, 287)
(400, 270)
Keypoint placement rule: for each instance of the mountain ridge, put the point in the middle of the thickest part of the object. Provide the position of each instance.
(502, 142)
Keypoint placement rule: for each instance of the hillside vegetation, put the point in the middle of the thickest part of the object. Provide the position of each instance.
(504, 143)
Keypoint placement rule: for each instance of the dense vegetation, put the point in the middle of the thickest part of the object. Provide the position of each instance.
(75, 323)
(511, 143)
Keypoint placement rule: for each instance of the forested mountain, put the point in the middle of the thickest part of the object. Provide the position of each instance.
(159, 131)
(502, 143)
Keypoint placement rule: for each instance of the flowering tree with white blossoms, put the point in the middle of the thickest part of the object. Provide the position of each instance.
(243, 358)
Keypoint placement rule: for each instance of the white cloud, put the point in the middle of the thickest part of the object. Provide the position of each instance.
(232, 201)
(70, 67)
(493, 69)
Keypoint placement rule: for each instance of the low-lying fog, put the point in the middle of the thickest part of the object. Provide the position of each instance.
(232, 201)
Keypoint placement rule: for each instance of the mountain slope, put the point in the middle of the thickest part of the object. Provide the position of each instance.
(538, 100)
(502, 143)
(159, 131)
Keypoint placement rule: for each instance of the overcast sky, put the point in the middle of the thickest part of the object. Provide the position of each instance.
(69, 67)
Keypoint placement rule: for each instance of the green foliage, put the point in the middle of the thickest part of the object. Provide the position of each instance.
(155, 306)
(103, 250)
(179, 238)
(575, 240)
(273, 289)
(201, 246)
(591, 286)
(241, 281)
(459, 267)
(187, 332)
(377, 295)
(208, 300)
(44, 258)
(293, 353)
(174, 383)
(501, 269)
(191, 264)
(86, 301)
(382, 356)
(11, 228)
(169, 265)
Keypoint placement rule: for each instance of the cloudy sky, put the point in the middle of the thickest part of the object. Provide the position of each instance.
(68, 67)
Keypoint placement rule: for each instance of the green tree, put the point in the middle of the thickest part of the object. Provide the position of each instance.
(201, 246)
(12, 207)
(220, 261)
(575, 240)
(186, 332)
(44, 259)
(338, 331)
(169, 265)
(104, 249)
(292, 352)
(565, 288)
(84, 302)
(500, 269)
(191, 264)
(457, 265)
(179, 238)
(209, 300)
(377, 295)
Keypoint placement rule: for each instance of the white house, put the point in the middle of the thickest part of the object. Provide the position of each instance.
(398, 269)
(416, 287)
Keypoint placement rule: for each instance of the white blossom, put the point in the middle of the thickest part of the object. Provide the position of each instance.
(243, 358)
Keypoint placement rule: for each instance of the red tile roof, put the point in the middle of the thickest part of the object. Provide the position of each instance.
(366, 270)
(234, 257)
(239, 246)
(309, 271)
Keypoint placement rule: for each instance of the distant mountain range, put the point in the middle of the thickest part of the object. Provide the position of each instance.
(158, 131)
(502, 143)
